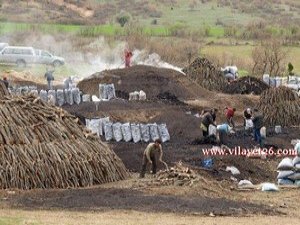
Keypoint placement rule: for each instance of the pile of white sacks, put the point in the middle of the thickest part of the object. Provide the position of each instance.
(137, 95)
(107, 91)
(60, 96)
(289, 171)
(128, 132)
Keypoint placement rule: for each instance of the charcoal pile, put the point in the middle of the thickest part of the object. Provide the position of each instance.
(280, 106)
(151, 80)
(178, 175)
(43, 146)
(246, 85)
(170, 98)
(206, 74)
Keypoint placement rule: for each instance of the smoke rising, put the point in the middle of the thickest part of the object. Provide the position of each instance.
(85, 57)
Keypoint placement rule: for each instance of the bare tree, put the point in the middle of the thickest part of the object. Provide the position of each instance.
(269, 58)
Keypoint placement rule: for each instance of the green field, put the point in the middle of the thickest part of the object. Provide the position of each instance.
(201, 15)
(242, 54)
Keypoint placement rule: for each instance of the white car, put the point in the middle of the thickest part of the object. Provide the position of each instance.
(27, 55)
(44, 57)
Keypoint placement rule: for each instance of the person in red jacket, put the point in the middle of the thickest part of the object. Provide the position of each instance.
(229, 113)
(128, 55)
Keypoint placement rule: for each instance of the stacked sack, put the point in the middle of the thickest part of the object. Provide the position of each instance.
(289, 171)
(107, 91)
(137, 95)
(127, 132)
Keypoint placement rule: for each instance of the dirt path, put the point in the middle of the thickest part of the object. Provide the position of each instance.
(113, 217)
(83, 12)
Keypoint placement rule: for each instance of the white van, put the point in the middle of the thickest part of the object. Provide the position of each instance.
(28, 55)
(19, 55)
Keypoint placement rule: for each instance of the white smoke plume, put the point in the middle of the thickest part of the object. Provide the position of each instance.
(90, 56)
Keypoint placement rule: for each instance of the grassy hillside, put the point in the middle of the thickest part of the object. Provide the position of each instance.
(192, 13)
(226, 30)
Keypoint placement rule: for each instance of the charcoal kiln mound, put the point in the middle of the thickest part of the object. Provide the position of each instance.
(280, 106)
(45, 147)
(246, 85)
(153, 81)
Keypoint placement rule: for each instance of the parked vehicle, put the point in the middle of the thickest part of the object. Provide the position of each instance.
(28, 55)
(44, 57)
(3, 45)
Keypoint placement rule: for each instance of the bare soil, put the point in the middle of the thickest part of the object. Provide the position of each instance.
(172, 99)
(125, 199)
(184, 130)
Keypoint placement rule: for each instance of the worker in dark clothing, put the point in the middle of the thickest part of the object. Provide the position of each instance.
(213, 112)
(207, 120)
(49, 77)
(5, 81)
(247, 114)
(149, 156)
(257, 125)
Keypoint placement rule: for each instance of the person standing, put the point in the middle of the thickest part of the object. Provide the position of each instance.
(229, 113)
(128, 55)
(257, 125)
(49, 77)
(149, 156)
(5, 81)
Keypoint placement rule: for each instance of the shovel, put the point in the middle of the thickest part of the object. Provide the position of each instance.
(166, 165)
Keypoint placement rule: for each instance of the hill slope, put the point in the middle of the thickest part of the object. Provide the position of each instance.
(191, 13)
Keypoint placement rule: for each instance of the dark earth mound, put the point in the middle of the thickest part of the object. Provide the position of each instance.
(246, 85)
(153, 81)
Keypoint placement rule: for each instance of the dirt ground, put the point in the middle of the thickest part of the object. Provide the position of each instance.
(184, 130)
(51, 217)
(132, 202)
(172, 99)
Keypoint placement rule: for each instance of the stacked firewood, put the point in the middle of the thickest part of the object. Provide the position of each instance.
(178, 175)
(246, 85)
(280, 106)
(206, 74)
(3, 90)
(43, 146)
